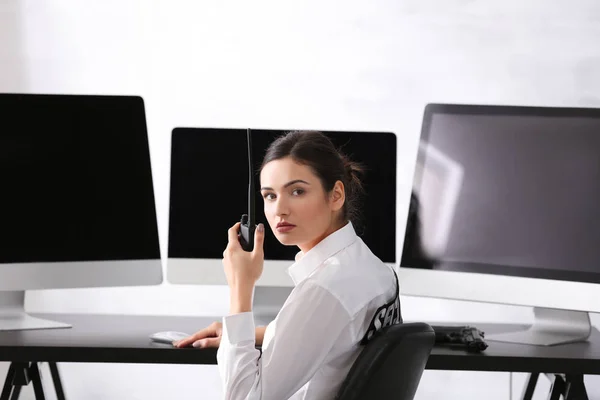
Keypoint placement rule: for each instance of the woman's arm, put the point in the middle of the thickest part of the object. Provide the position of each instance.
(305, 331)
(211, 337)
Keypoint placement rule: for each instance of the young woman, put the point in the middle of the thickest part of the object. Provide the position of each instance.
(343, 293)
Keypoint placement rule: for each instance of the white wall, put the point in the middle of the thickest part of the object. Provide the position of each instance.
(313, 64)
(11, 47)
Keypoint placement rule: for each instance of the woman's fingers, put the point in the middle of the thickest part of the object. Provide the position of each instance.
(185, 342)
(259, 239)
(204, 333)
(232, 235)
(207, 343)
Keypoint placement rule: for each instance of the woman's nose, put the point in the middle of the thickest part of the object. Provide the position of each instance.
(281, 208)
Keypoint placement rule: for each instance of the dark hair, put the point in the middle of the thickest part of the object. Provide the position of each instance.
(318, 152)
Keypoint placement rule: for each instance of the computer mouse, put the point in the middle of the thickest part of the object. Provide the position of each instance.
(168, 336)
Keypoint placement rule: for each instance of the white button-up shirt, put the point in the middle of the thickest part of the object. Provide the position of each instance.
(307, 351)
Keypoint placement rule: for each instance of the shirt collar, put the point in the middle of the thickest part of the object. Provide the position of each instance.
(307, 262)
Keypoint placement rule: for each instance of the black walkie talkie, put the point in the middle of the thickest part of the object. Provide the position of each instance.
(247, 227)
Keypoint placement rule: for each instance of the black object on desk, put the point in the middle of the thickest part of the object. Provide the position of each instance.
(468, 337)
(125, 339)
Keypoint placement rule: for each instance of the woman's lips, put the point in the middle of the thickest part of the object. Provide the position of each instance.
(284, 228)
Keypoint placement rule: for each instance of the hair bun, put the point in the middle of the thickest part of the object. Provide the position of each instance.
(349, 166)
(354, 172)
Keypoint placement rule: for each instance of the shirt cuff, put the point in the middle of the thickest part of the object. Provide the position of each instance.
(239, 327)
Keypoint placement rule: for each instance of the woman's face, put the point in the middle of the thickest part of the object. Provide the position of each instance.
(296, 206)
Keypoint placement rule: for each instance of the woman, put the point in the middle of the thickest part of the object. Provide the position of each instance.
(343, 293)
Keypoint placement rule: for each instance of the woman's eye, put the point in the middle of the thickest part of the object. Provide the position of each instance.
(298, 192)
(269, 196)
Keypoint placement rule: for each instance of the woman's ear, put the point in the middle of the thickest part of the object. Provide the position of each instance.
(338, 196)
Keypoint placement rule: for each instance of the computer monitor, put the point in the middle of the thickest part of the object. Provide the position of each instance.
(77, 206)
(209, 193)
(505, 208)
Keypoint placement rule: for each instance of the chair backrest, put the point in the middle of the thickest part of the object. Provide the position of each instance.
(391, 365)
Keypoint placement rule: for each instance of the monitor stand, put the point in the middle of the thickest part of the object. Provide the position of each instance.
(267, 302)
(550, 327)
(14, 318)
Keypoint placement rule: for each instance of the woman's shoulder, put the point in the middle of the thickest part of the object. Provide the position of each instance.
(356, 277)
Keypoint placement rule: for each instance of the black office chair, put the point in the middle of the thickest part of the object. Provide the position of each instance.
(391, 364)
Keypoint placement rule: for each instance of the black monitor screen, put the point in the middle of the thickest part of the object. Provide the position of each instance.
(209, 189)
(76, 179)
(507, 190)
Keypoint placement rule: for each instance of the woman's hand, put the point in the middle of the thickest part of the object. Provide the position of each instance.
(210, 337)
(205, 338)
(243, 268)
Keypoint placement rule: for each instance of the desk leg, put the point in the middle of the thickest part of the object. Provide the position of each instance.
(575, 388)
(19, 375)
(16, 393)
(36, 380)
(8, 384)
(530, 388)
(571, 387)
(60, 393)
(557, 388)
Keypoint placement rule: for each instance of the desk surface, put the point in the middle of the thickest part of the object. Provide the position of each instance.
(124, 339)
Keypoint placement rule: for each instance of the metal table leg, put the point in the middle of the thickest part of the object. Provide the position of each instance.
(530, 387)
(20, 374)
